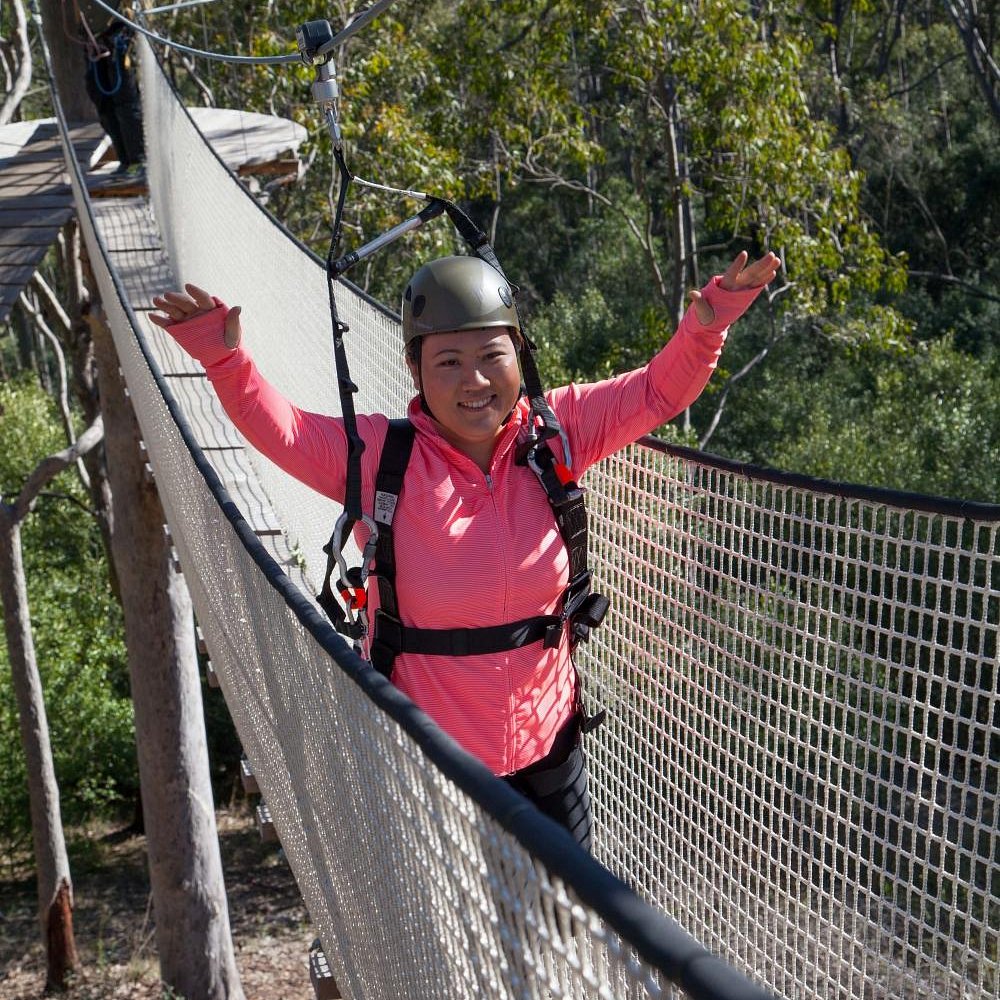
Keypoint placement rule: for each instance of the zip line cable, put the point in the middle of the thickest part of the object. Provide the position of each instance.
(174, 6)
(338, 39)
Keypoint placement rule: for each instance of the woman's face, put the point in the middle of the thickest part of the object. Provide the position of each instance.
(470, 381)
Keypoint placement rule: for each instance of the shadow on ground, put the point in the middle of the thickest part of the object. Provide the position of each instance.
(114, 922)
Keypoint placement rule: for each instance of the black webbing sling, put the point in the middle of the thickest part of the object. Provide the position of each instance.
(351, 584)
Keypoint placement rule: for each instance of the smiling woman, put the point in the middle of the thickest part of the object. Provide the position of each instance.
(484, 592)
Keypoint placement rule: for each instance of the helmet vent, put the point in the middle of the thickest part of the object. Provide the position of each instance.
(418, 305)
(505, 296)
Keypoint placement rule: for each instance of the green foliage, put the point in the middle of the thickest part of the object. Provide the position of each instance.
(925, 420)
(923, 140)
(601, 316)
(29, 433)
(77, 631)
(850, 138)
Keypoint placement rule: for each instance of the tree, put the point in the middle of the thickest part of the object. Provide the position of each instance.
(193, 938)
(702, 111)
(55, 887)
(78, 637)
(56, 301)
(66, 48)
(15, 59)
(978, 52)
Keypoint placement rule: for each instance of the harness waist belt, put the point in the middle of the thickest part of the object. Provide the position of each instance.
(461, 641)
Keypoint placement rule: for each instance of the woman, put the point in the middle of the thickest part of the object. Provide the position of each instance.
(476, 542)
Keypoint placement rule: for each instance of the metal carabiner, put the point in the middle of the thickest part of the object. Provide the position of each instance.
(367, 554)
(533, 462)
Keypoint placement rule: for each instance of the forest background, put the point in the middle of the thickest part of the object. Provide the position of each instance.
(618, 154)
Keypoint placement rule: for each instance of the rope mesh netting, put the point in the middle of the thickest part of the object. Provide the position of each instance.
(801, 758)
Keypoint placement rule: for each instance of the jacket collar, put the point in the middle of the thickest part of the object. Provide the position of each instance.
(428, 426)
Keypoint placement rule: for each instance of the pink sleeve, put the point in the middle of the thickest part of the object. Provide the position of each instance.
(603, 417)
(309, 446)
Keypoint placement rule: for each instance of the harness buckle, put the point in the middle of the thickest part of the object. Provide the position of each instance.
(574, 597)
(575, 594)
(553, 634)
(590, 614)
(388, 632)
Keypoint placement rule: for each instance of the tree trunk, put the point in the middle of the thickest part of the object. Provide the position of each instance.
(189, 900)
(22, 75)
(68, 61)
(77, 336)
(55, 888)
(981, 63)
(681, 228)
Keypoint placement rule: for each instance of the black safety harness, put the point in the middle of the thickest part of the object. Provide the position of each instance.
(580, 609)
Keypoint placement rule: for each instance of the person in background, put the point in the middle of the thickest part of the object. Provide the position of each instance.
(477, 548)
(111, 85)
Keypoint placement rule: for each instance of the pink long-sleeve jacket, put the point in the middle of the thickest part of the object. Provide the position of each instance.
(474, 549)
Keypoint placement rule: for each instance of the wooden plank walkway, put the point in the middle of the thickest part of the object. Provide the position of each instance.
(35, 198)
(129, 232)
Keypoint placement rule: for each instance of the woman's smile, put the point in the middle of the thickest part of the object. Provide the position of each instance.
(477, 404)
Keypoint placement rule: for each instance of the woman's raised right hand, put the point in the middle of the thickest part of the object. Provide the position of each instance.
(179, 307)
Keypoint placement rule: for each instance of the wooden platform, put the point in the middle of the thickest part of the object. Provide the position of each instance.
(35, 198)
(36, 201)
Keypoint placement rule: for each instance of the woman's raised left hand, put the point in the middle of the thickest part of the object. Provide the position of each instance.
(738, 277)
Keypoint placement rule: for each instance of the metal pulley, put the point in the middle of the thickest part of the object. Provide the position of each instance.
(315, 41)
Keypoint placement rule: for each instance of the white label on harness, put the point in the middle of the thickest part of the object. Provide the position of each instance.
(385, 506)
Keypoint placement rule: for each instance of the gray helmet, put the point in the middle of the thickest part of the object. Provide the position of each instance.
(456, 293)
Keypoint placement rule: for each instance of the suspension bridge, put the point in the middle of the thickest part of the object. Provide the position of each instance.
(796, 788)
